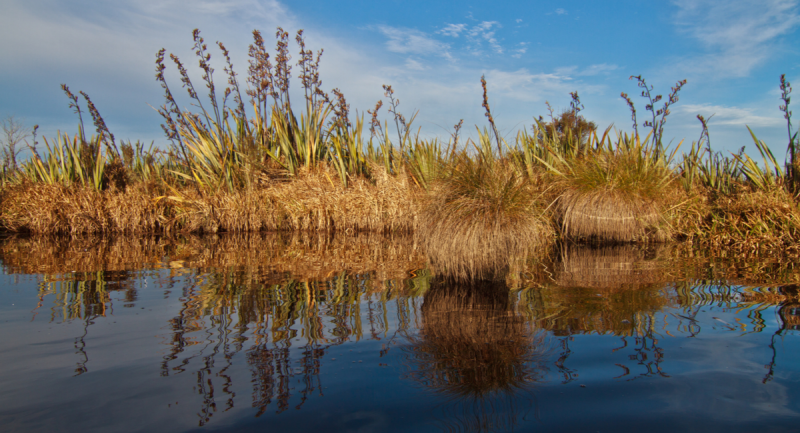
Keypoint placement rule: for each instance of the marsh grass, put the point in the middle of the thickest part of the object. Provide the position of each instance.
(615, 192)
(274, 163)
(481, 216)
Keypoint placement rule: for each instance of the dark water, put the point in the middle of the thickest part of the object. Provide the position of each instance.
(313, 334)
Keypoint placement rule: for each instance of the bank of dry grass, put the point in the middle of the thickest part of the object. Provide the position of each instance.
(311, 201)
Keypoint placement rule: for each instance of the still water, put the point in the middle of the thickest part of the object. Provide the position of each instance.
(354, 334)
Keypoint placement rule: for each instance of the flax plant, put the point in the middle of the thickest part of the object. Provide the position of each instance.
(68, 160)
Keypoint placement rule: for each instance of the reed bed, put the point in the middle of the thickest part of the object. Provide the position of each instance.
(477, 207)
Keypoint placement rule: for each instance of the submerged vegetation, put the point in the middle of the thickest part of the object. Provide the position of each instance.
(478, 208)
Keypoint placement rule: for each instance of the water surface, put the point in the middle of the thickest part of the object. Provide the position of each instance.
(302, 333)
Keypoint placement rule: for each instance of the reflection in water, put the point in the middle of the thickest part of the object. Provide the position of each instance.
(229, 307)
(478, 353)
(280, 305)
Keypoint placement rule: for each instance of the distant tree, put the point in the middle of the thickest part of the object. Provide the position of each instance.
(569, 125)
(14, 132)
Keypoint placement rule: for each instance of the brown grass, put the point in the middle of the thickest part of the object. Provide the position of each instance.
(312, 201)
(480, 219)
(58, 209)
(609, 215)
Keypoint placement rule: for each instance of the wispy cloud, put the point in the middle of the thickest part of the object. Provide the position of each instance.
(598, 69)
(452, 30)
(724, 115)
(414, 65)
(412, 41)
(518, 52)
(560, 11)
(484, 32)
(737, 35)
(526, 86)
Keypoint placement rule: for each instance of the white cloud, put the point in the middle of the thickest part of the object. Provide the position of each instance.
(737, 35)
(412, 41)
(483, 33)
(524, 85)
(523, 48)
(602, 68)
(734, 116)
(452, 30)
(414, 65)
(519, 20)
(560, 11)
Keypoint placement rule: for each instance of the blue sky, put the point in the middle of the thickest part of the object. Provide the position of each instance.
(433, 54)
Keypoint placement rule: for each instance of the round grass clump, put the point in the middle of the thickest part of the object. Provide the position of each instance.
(615, 197)
(479, 218)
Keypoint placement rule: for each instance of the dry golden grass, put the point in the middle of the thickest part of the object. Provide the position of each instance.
(616, 196)
(57, 209)
(480, 219)
(312, 201)
(608, 215)
(754, 220)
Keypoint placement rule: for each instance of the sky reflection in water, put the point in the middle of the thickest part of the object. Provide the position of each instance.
(294, 333)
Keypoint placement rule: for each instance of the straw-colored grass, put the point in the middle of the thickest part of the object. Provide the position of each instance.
(480, 218)
(616, 196)
(755, 220)
(58, 209)
(313, 201)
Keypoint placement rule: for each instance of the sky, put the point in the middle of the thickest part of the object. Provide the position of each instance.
(433, 54)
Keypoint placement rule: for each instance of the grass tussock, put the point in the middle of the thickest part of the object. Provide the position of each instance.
(481, 217)
(615, 194)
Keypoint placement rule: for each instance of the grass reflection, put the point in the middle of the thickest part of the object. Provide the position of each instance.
(478, 353)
